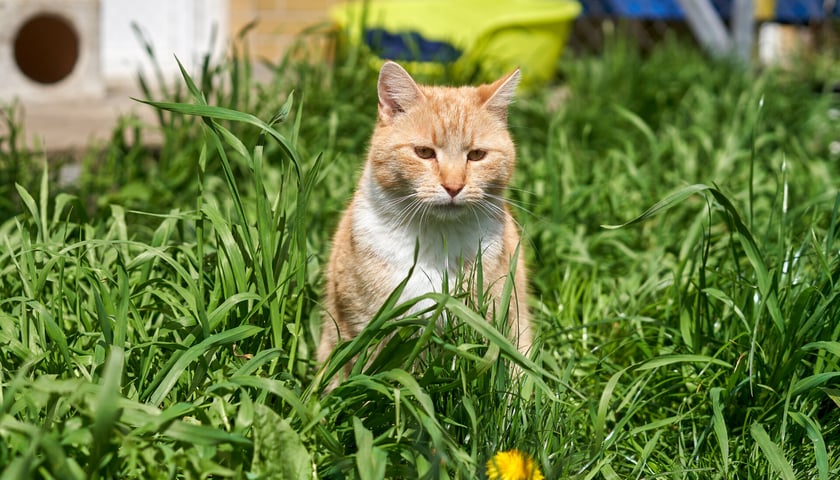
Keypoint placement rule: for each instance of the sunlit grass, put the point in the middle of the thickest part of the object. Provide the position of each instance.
(159, 318)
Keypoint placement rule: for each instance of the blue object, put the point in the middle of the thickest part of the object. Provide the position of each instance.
(650, 9)
(787, 11)
(409, 46)
(799, 11)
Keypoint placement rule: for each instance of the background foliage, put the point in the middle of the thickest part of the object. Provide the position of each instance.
(158, 318)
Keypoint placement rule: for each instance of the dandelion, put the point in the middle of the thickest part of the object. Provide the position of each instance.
(513, 465)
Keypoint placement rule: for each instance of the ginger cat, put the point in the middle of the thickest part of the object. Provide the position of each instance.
(439, 161)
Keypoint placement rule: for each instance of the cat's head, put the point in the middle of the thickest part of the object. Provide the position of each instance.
(446, 150)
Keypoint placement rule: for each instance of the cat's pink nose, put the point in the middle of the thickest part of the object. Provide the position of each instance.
(453, 189)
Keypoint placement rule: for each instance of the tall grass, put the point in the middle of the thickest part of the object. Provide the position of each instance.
(159, 319)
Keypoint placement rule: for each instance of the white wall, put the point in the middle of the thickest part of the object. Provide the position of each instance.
(174, 27)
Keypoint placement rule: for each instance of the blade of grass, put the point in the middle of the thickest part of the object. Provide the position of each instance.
(370, 459)
(719, 427)
(227, 337)
(669, 201)
(597, 446)
(106, 408)
(665, 360)
(772, 452)
(820, 452)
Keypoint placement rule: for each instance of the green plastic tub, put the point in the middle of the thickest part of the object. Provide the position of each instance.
(497, 35)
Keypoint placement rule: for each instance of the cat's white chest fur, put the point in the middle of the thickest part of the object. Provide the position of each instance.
(443, 247)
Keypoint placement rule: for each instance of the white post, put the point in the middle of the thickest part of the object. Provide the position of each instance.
(707, 26)
(743, 28)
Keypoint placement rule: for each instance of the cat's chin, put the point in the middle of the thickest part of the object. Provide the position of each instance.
(449, 211)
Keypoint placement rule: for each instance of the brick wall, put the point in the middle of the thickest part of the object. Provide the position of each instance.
(278, 21)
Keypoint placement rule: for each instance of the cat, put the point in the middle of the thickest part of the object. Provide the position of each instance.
(438, 163)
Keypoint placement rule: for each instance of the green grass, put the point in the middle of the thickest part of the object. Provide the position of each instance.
(159, 318)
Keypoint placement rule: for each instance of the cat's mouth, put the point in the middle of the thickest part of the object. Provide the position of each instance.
(448, 203)
(449, 209)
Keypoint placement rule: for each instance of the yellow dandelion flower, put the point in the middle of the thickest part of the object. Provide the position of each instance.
(513, 465)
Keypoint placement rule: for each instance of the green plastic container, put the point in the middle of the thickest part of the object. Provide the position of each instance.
(497, 35)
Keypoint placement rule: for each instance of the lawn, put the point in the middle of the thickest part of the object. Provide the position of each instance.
(159, 316)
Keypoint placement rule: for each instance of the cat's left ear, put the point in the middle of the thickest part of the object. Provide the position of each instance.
(498, 95)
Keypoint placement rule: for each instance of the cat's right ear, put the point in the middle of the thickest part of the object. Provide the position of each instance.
(499, 94)
(397, 91)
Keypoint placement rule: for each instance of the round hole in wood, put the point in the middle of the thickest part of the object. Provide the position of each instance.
(46, 48)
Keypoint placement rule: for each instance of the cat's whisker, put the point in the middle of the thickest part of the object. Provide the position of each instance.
(424, 212)
(474, 209)
(493, 209)
(418, 208)
(403, 206)
(503, 186)
(508, 188)
(407, 214)
(392, 202)
(509, 202)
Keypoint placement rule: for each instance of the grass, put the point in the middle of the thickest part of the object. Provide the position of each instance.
(158, 319)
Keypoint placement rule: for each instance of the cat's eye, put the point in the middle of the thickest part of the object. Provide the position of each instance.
(476, 155)
(425, 153)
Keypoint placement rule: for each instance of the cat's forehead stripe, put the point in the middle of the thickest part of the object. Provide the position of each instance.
(453, 119)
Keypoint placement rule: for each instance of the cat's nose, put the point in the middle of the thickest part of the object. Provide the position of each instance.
(453, 189)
